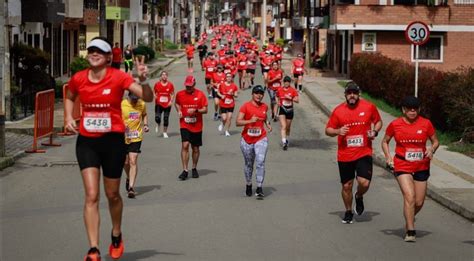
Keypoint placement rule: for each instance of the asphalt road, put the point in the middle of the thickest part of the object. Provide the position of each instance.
(210, 218)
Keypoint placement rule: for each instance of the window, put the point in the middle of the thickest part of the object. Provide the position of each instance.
(464, 2)
(432, 51)
(369, 42)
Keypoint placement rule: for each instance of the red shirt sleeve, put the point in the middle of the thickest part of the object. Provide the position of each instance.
(73, 84)
(390, 131)
(127, 80)
(243, 109)
(333, 121)
(203, 100)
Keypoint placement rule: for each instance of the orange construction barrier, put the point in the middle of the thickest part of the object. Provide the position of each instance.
(44, 119)
(76, 112)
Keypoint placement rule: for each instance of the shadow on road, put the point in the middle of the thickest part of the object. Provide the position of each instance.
(471, 242)
(400, 232)
(365, 217)
(310, 144)
(145, 189)
(204, 172)
(142, 254)
(268, 191)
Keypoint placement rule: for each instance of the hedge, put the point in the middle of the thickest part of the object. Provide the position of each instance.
(146, 51)
(447, 98)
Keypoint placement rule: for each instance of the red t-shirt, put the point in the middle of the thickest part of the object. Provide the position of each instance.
(242, 65)
(116, 55)
(298, 66)
(411, 143)
(224, 89)
(195, 100)
(253, 132)
(267, 61)
(163, 93)
(286, 95)
(101, 102)
(355, 144)
(210, 66)
(218, 78)
(272, 74)
(190, 51)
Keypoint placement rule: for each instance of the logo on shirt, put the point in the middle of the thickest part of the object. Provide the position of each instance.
(196, 99)
(419, 131)
(106, 92)
(362, 114)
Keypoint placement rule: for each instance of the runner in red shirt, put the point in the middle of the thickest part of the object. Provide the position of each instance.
(116, 56)
(242, 67)
(251, 66)
(164, 94)
(412, 158)
(210, 67)
(254, 142)
(101, 140)
(190, 104)
(266, 62)
(190, 55)
(356, 123)
(227, 92)
(275, 76)
(217, 79)
(286, 96)
(297, 67)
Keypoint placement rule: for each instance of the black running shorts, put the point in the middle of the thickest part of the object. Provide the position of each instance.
(195, 138)
(297, 75)
(422, 175)
(287, 111)
(252, 71)
(107, 151)
(207, 80)
(226, 110)
(363, 167)
(134, 147)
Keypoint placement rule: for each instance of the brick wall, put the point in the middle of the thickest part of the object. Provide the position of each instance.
(455, 50)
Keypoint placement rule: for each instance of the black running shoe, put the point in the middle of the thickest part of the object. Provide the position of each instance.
(248, 190)
(259, 192)
(183, 175)
(359, 205)
(127, 184)
(194, 173)
(348, 217)
(131, 193)
(410, 236)
(285, 145)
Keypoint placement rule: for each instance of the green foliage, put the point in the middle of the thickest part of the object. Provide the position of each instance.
(146, 51)
(170, 45)
(78, 64)
(280, 42)
(446, 97)
(31, 67)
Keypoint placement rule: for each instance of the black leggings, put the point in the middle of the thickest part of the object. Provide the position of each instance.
(166, 115)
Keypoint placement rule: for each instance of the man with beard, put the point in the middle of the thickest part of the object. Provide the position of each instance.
(356, 123)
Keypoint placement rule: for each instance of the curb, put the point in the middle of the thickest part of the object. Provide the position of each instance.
(159, 68)
(433, 192)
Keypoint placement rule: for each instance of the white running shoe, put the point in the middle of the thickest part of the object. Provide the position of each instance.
(221, 127)
(165, 135)
(227, 134)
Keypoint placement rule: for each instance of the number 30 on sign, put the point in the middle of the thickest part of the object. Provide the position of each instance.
(417, 33)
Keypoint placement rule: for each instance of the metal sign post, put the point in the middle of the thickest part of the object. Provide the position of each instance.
(417, 33)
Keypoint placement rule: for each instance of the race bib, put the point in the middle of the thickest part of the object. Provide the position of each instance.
(254, 132)
(266, 67)
(242, 63)
(132, 134)
(97, 121)
(276, 84)
(299, 69)
(228, 101)
(190, 120)
(164, 99)
(226, 71)
(210, 69)
(355, 141)
(249, 63)
(414, 154)
(287, 103)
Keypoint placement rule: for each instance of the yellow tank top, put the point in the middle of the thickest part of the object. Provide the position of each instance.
(132, 117)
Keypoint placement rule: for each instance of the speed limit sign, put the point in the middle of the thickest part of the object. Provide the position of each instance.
(417, 33)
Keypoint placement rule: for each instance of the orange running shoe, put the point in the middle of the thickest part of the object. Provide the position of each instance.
(116, 247)
(93, 255)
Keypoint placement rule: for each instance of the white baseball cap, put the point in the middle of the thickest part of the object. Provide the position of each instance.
(101, 45)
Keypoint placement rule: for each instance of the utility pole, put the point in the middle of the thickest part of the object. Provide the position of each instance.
(2, 77)
(264, 21)
(307, 32)
(102, 20)
(151, 34)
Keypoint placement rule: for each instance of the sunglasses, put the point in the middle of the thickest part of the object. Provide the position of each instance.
(352, 92)
(95, 50)
(411, 108)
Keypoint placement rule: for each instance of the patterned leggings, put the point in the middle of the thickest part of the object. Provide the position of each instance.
(254, 153)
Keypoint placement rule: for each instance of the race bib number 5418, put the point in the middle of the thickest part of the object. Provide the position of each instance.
(97, 122)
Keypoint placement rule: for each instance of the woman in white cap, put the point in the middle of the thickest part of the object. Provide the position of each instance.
(101, 142)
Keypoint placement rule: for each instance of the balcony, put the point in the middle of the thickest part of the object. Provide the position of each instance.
(388, 14)
(42, 11)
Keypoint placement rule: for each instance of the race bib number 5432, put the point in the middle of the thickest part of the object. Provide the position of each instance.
(97, 122)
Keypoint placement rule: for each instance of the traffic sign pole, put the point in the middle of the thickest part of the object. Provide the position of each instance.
(417, 49)
(417, 33)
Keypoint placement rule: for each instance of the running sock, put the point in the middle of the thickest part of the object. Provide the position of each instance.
(283, 141)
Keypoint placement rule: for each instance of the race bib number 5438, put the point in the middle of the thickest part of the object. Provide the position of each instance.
(97, 122)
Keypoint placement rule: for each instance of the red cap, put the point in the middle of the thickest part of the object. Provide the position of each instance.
(190, 81)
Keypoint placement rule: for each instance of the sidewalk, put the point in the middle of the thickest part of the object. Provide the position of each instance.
(19, 134)
(452, 176)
